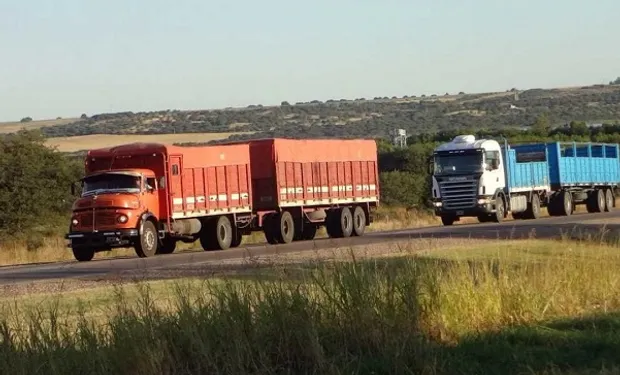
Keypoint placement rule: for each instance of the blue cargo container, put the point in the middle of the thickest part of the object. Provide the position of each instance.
(525, 170)
(578, 173)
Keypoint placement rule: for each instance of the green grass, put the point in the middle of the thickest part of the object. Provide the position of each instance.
(516, 307)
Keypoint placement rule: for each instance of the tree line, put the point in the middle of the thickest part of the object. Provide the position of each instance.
(35, 180)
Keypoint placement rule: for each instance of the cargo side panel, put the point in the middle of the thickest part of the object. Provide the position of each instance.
(320, 172)
(211, 181)
(528, 168)
(585, 164)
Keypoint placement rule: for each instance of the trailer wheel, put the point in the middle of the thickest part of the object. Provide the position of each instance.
(339, 222)
(359, 221)
(217, 235)
(148, 243)
(609, 200)
(566, 203)
(269, 229)
(533, 208)
(286, 227)
(237, 239)
(168, 245)
(309, 231)
(83, 254)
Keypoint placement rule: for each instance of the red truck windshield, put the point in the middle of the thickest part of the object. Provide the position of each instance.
(110, 182)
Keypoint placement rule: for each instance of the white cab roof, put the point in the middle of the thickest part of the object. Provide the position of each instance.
(469, 142)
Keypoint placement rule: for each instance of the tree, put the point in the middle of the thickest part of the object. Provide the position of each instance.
(26, 119)
(35, 181)
(542, 125)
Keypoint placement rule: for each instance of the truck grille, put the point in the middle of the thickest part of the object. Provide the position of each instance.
(88, 221)
(458, 195)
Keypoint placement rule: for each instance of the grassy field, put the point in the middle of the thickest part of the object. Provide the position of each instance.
(85, 142)
(11, 127)
(516, 307)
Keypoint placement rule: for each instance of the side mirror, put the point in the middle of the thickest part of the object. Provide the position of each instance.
(430, 165)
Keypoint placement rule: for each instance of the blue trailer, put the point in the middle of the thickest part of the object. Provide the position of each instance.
(579, 173)
(483, 179)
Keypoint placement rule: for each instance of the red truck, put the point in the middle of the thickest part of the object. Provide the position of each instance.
(150, 196)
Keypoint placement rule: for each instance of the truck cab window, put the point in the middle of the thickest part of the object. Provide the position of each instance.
(492, 159)
(151, 184)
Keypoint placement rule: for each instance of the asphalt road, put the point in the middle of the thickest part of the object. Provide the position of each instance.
(576, 225)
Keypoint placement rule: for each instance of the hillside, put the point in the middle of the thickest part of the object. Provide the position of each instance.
(356, 118)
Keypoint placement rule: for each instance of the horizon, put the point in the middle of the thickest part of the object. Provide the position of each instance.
(71, 58)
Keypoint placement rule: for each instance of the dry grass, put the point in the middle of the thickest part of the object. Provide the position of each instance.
(12, 127)
(85, 142)
(529, 306)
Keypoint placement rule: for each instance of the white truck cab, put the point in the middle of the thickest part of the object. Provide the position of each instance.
(468, 179)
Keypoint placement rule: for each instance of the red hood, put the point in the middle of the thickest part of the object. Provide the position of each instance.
(108, 200)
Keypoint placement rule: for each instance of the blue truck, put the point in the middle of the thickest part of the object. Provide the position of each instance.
(485, 179)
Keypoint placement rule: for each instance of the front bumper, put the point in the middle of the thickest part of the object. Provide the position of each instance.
(482, 206)
(105, 239)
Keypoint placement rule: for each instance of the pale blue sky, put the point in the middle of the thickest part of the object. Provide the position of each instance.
(66, 57)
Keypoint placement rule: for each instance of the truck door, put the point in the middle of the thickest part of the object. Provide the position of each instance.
(175, 190)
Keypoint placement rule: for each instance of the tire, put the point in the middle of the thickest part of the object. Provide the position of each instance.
(447, 220)
(483, 218)
(610, 202)
(359, 221)
(284, 227)
(565, 203)
(83, 254)
(168, 245)
(309, 231)
(148, 243)
(339, 223)
(500, 210)
(236, 241)
(268, 226)
(346, 222)
(533, 208)
(217, 235)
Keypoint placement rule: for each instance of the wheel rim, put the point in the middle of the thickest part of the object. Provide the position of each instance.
(222, 232)
(609, 199)
(149, 240)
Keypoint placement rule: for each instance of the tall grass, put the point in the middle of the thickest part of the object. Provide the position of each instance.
(439, 312)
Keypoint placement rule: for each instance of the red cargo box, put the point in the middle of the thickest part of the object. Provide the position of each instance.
(201, 180)
(290, 172)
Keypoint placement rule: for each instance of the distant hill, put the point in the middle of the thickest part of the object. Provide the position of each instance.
(365, 117)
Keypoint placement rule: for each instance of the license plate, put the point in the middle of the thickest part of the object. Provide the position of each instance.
(460, 213)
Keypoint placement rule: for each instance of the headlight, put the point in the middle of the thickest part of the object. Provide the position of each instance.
(75, 222)
(122, 219)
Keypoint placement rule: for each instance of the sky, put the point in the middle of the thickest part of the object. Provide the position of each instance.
(68, 57)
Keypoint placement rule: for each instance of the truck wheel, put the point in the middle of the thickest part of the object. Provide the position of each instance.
(268, 229)
(148, 243)
(609, 200)
(236, 241)
(339, 222)
(359, 221)
(217, 234)
(309, 231)
(566, 201)
(83, 254)
(500, 210)
(168, 245)
(533, 208)
(447, 220)
(286, 227)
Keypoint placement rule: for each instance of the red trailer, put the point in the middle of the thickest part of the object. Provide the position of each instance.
(299, 185)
